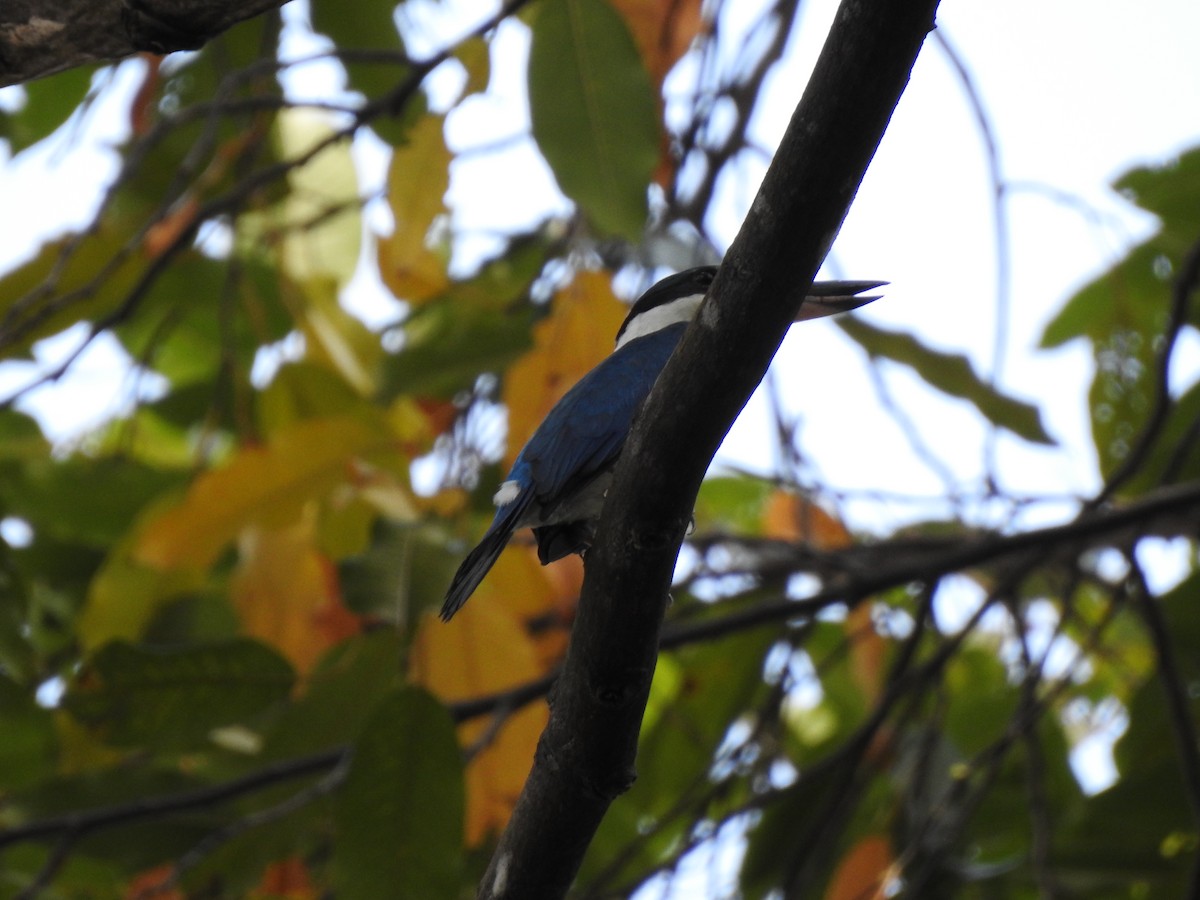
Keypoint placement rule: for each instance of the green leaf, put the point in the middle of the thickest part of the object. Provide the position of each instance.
(784, 823)
(172, 699)
(49, 102)
(75, 267)
(372, 27)
(449, 346)
(697, 695)
(952, 374)
(1124, 312)
(1171, 192)
(732, 504)
(90, 501)
(21, 438)
(1121, 313)
(399, 815)
(1093, 857)
(479, 325)
(198, 319)
(1132, 296)
(28, 751)
(340, 693)
(593, 112)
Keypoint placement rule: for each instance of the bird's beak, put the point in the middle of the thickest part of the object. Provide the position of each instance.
(827, 298)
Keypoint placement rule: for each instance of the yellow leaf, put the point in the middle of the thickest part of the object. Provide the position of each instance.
(418, 179)
(285, 593)
(417, 423)
(125, 595)
(474, 55)
(320, 217)
(471, 656)
(529, 591)
(578, 333)
(261, 485)
(337, 339)
(790, 517)
(865, 872)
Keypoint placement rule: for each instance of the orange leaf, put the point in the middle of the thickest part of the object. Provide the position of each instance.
(579, 332)
(480, 652)
(867, 651)
(285, 594)
(167, 231)
(864, 872)
(663, 31)
(267, 486)
(287, 879)
(151, 883)
(143, 111)
(790, 517)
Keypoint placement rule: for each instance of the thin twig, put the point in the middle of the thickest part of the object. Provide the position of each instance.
(999, 226)
(1187, 282)
(1187, 741)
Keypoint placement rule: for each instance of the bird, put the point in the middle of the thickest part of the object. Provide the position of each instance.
(559, 480)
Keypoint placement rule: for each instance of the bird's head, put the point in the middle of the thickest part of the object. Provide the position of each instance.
(677, 297)
(673, 300)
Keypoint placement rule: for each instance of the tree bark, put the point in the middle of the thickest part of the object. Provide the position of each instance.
(585, 758)
(41, 37)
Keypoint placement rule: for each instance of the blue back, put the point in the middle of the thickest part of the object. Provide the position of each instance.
(584, 433)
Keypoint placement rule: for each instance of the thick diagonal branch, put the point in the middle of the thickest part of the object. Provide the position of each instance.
(586, 755)
(41, 37)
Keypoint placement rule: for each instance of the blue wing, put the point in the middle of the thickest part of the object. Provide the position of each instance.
(580, 437)
(585, 431)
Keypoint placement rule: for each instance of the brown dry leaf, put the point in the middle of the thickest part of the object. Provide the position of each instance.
(481, 651)
(285, 593)
(864, 872)
(790, 517)
(578, 333)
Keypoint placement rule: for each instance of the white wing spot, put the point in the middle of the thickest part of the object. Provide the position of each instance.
(507, 493)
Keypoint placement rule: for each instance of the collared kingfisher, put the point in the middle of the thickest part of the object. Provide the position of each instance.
(560, 478)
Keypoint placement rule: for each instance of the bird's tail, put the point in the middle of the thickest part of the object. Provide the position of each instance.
(480, 560)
